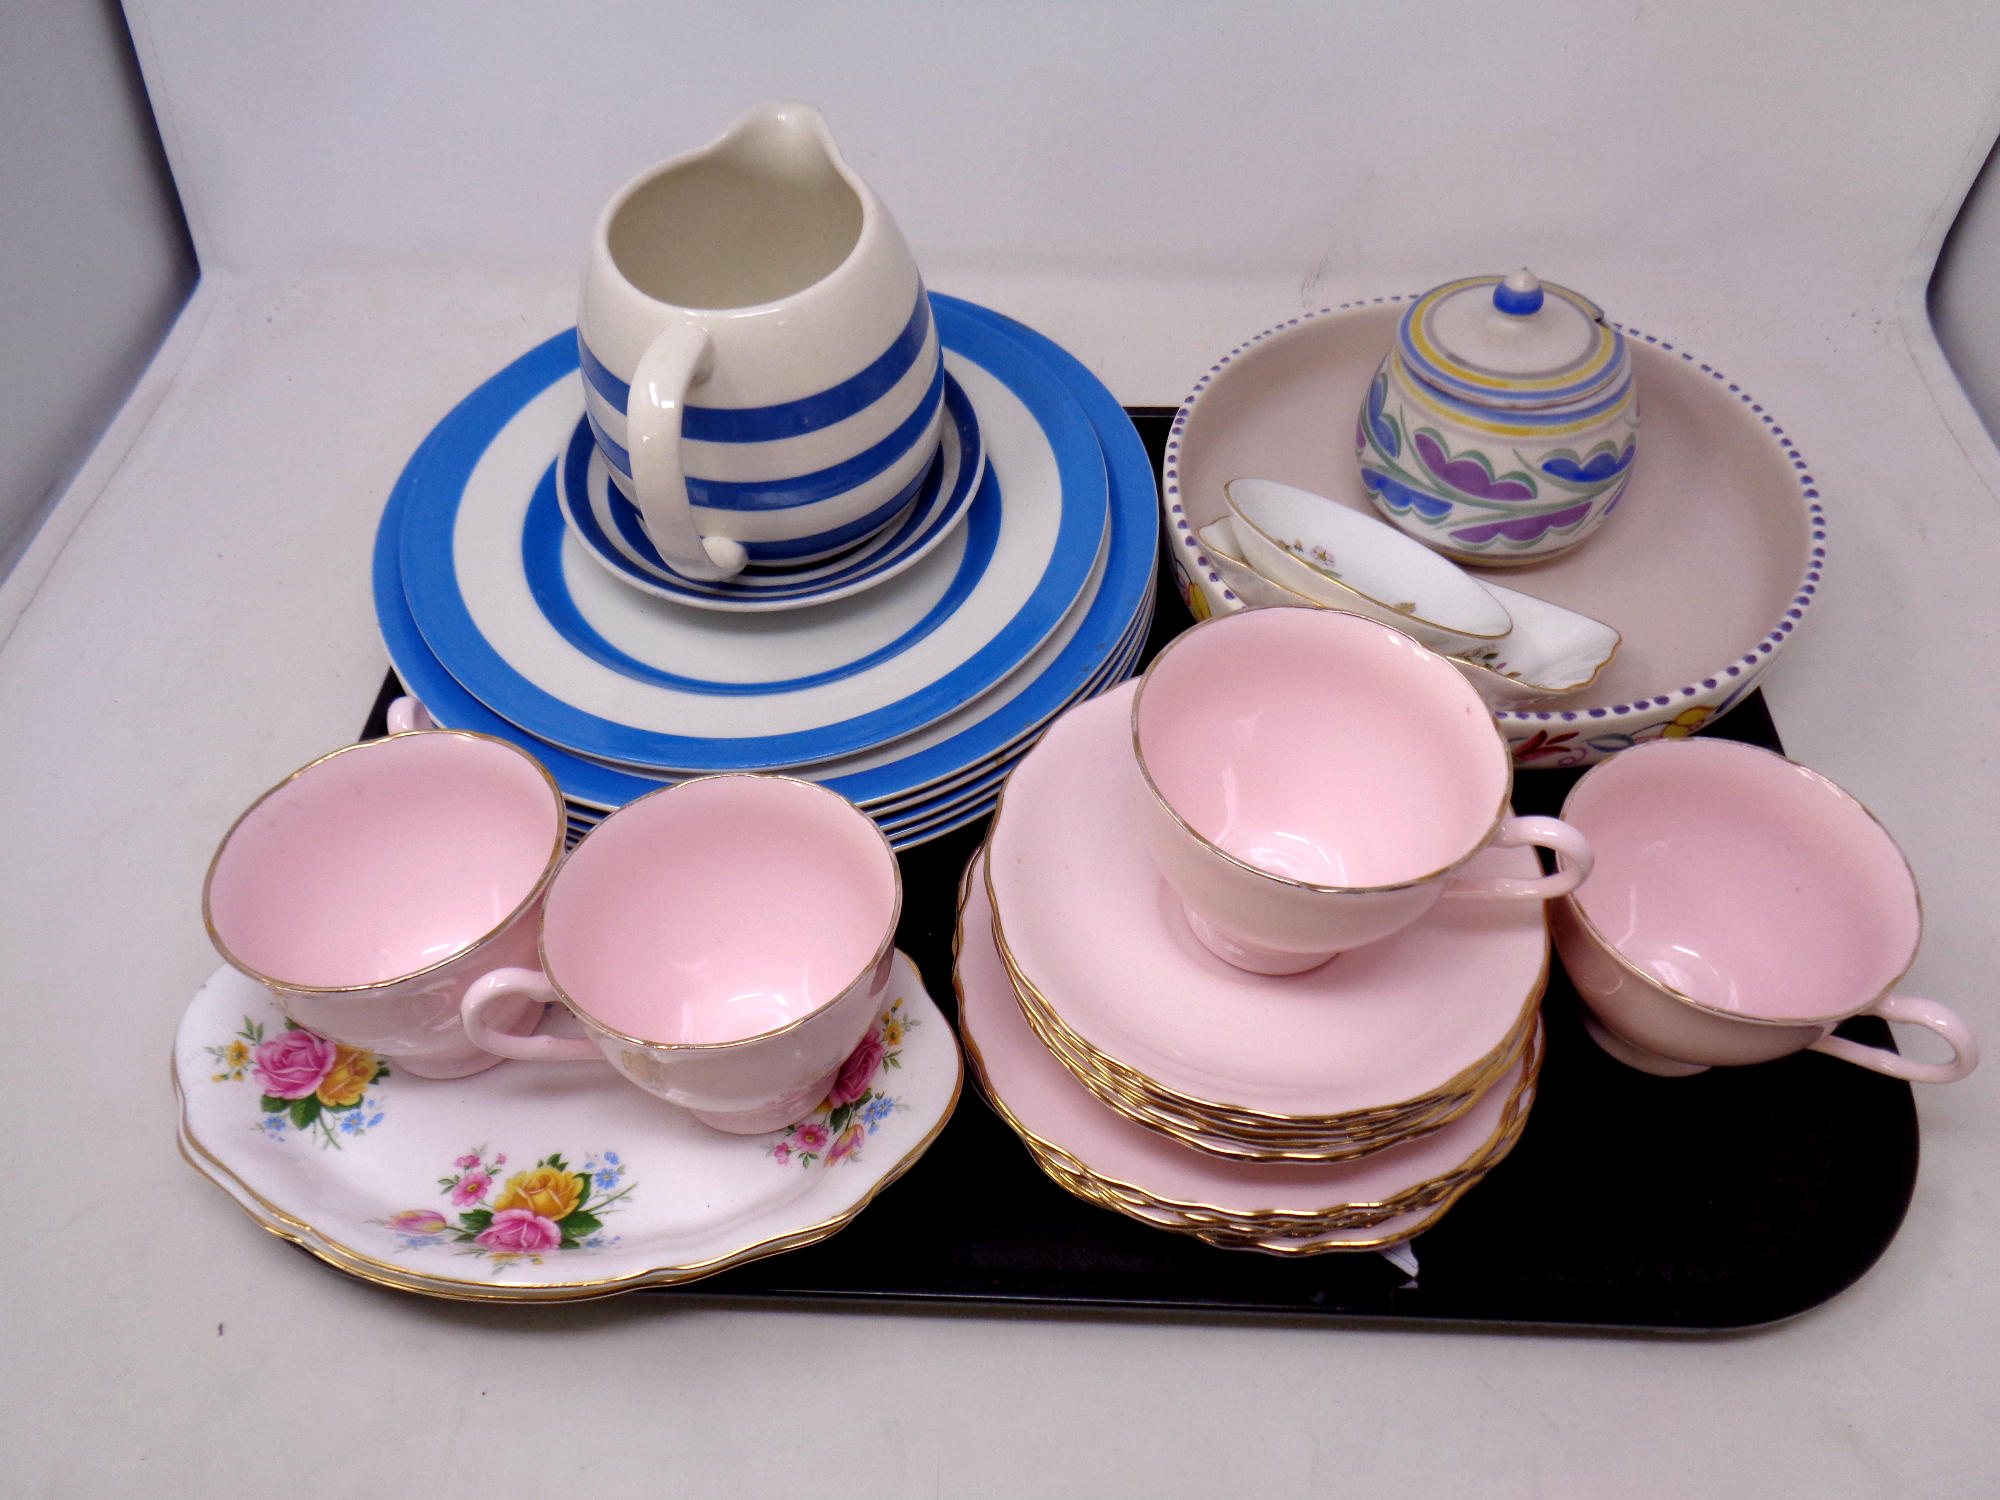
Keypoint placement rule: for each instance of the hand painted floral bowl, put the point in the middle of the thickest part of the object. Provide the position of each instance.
(1501, 426)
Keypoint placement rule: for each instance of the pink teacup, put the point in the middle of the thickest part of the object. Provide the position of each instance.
(368, 889)
(726, 944)
(1314, 780)
(1742, 907)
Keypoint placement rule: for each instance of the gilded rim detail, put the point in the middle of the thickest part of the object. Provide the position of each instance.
(1145, 773)
(535, 893)
(1358, 1126)
(1258, 1229)
(1612, 951)
(882, 948)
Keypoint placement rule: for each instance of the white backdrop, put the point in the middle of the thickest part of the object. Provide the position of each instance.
(1145, 177)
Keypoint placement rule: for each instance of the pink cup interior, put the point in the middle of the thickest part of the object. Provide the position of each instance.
(384, 859)
(719, 910)
(1322, 747)
(1743, 881)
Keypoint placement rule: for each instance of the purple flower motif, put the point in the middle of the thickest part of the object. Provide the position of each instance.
(1468, 475)
(1525, 529)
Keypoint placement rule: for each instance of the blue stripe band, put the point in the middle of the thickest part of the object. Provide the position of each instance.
(541, 563)
(967, 329)
(783, 494)
(932, 513)
(762, 424)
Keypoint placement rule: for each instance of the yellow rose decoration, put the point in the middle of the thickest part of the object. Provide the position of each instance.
(348, 1078)
(547, 1191)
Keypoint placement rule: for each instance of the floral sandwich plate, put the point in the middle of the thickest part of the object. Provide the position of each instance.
(536, 1183)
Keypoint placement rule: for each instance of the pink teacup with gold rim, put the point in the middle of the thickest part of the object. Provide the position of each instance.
(1741, 908)
(1314, 781)
(725, 943)
(369, 889)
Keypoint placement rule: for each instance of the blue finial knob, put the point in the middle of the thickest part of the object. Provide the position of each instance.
(1518, 295)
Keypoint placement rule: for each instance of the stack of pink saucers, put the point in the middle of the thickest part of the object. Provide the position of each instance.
(1343, 1108)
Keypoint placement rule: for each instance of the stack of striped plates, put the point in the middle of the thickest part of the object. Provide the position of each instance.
(516, 599)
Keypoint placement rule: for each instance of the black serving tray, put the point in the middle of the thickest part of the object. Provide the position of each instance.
(1737, 1197)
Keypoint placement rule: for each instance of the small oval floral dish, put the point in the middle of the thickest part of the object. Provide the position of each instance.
(1550, 651)
(1344, 560)
(1253, 589)
(517, 1185)
(1715, 561)
(1502, 424)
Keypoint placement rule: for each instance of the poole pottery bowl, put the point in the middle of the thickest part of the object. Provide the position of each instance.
(1715, 559)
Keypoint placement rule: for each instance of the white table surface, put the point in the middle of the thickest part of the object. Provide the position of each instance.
(197, 621)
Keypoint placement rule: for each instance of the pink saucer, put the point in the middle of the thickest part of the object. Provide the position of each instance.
(1052, 1106)
(1092, 926)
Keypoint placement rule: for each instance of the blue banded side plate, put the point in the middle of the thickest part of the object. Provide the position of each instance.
(519, 615)
(609, 527)
(989, 726)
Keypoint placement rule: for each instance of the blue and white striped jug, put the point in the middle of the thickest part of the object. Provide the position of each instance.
(761, 368)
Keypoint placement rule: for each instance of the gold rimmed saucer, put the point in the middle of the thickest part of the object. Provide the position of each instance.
(1356, 1227)
(1387, 1042)
(1275, 1207)
(1254, 1225)
(1255, 1135)
(1342, 1141)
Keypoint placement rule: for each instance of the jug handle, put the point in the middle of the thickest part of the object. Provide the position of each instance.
(680, 356)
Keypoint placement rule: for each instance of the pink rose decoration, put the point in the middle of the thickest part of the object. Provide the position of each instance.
(467, 1162)
(519, 1231)
(293, 1065)
(850, 1138)
(810, 1136)
(470, 1188)
(852, 1081)
(781, 1153)
(418, 1221)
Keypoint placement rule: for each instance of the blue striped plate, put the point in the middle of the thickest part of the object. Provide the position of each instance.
(998, 723)
(517, 612)
(608, 526)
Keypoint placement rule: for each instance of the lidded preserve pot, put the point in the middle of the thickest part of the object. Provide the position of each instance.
(1502, 424)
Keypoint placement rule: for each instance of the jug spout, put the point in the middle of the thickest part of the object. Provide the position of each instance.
(785, 139)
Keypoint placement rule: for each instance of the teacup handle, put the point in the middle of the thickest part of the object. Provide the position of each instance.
(681, 355)
(503, 984)
(406, 714)
(1925, 1013)
(1547, 833)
